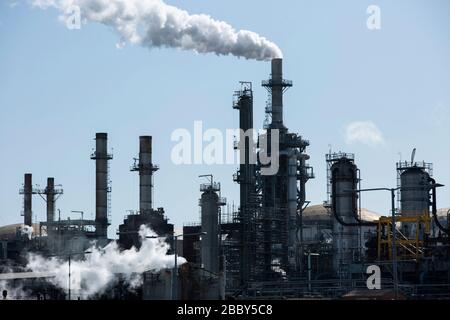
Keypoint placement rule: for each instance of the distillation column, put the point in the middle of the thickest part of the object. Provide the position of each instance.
(247, 180)
(209, 203)
(415, 198)
(277, 189)
(344, 180)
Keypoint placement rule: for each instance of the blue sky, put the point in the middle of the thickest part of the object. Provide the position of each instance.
(58, 87)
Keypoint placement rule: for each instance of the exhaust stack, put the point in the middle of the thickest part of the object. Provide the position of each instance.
(27, 200)
(50, 193)
(277, 92)
(145, 167)
(102, 187)
(276, 86)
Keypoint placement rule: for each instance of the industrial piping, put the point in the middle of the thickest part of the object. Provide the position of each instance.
(334, 209)
(434, 209)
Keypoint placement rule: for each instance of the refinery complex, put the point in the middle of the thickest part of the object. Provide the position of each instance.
(275, 245)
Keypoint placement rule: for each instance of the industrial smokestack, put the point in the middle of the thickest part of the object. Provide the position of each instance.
(277, 92)
(276, 86)
(50, 193)
(27, 200)
(145, 174)
(102, 189)
(145, 168)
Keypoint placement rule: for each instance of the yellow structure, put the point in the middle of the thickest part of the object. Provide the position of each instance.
(407, 247)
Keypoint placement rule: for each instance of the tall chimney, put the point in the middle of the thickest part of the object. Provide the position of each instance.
(145, 168)
(102, 189)
(50, 193)
(277, 92)
(27, 200)
(276, 86)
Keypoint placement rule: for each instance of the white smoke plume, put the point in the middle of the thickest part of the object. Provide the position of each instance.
(155, 24)
(101, 267)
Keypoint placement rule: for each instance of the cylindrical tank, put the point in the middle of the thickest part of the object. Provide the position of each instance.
(415, 197)
(415, 192)
(344, 179)
(209, 203)
(247, 179)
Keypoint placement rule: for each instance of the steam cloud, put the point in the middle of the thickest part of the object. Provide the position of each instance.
(16, 292)
(27, 230)
(100, 268)
(154, 24)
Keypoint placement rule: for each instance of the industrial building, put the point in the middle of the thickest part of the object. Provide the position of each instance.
(155, 219)
(276, 244)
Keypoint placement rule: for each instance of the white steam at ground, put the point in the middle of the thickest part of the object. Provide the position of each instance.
(13, 292)
(27, 230)
(155, 24)
(101, 267)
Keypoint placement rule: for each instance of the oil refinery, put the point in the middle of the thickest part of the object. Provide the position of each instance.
(276, 244)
